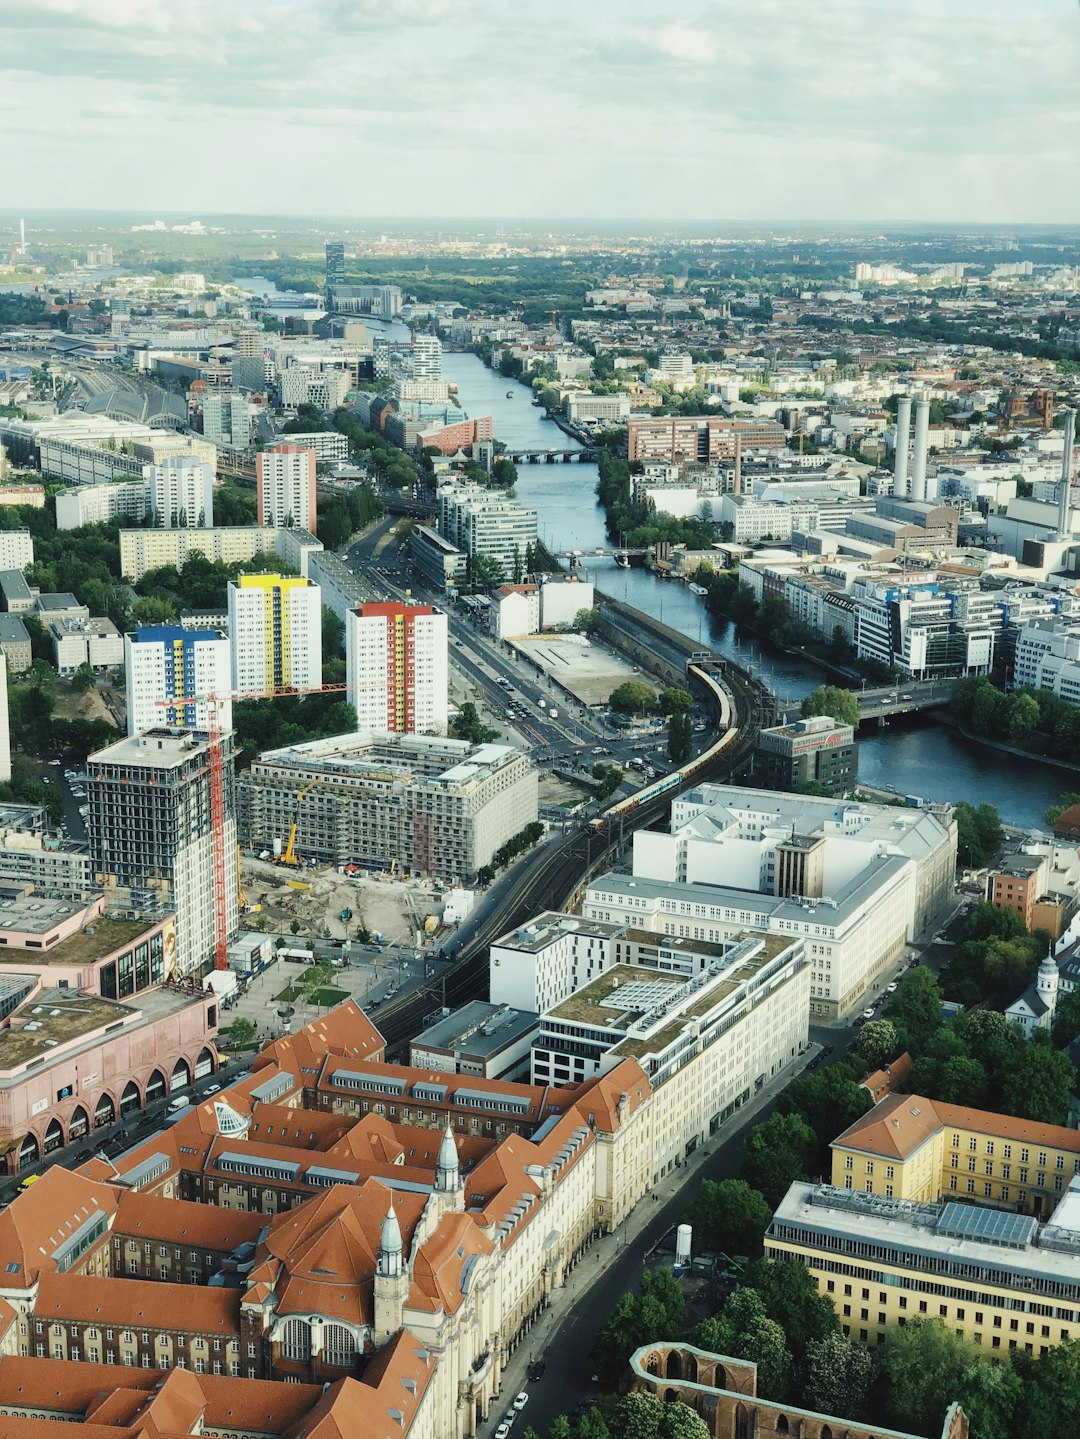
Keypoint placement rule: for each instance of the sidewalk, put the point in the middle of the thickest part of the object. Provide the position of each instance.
(622, 1252)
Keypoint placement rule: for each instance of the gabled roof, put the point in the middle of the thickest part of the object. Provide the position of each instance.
(37, 1223)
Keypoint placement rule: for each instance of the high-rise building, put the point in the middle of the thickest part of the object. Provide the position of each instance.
(5, 724)
(149, 828)
(427, 357)
(181, 492)
(396, 668)
(488, 523)
(285, 475)
(162, 661)
(335, 267)
(275, 633)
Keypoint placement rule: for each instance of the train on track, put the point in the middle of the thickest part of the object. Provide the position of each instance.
(728, 739)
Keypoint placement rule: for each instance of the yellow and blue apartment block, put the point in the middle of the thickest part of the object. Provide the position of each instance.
(277, 593)
(922, 1150)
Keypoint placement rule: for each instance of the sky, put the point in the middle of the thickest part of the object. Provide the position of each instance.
(738, 110)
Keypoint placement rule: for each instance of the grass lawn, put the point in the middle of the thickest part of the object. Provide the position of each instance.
(292, 995)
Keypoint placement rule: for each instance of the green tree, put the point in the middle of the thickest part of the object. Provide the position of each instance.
(588, 622)
(151, 610)
(674, 701)
(1064, 802)
(837, 1375)
(992, 1396)
(1050, 1403)
(743, 1330)
(633, 697)
(239, 1035)
(680, 738)
(592, 1425)
(877, 1043)
(830, 700)
(924, 1363)
(468, 725)
(979, 833)
(789, 1296)
(333, 633)
(776, 1154)
(828, 1102)
(1066, 1024)
(638, 1416)
(504, 473)
(915, 1008)
(83, 679)
(1039, 1083)
(729, 1216)
(678, 1421)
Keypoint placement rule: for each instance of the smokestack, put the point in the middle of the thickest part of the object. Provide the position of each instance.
(903, 436)
(1065, 490)
(918, 463)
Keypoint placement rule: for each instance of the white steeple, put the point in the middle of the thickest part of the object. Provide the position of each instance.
(389, 1263)
(448, 1167)
(1046, 982)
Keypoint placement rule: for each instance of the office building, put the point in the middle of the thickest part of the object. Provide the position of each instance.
(401, 804)
(164, 662)
(738, 858)
(397, 668)
(807, 751)
(275, 631)
(285, 475)
(699, 437)
(143, 550)
(181, 492)
(15, 642)
(381, 301)
(92, 641)
(149, 830)
(18, 598)
(226, 419)
(1002, 1281)
(5, 723)
(440, 564)
(426, 358)
(335, 269)
(489, 1040)
(1048, 657)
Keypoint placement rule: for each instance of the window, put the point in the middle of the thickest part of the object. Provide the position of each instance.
(889, 1171)
(849, 1162)
(973, 1143)
(1023, 1156)
(989, 1146)
(1007, 1151)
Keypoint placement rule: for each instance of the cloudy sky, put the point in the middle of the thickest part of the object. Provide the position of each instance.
(711, 109)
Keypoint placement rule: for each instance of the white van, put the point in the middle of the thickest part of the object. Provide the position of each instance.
(179, 1102)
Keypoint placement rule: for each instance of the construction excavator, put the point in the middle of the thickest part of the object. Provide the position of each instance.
(288, 855)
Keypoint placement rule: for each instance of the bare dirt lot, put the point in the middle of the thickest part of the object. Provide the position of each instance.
(315, 899)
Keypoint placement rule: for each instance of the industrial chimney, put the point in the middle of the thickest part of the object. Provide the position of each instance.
(1065, 490)
(903, 436)
(918, 463)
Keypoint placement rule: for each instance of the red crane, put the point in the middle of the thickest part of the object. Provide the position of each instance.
(216, 769)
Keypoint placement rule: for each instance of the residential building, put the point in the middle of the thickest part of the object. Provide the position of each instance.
(285, 475)
(515, 610)
(5, 722)
(329, 446)
(181, 492)
(166, 662)
(488, 524)
(226, 418)
(149, 828)
(490, 1040)
(95, 642)
(16, 550)
(426, 358)
(275, 631)
(447, 436)
(15, 643)
(807, 751)
(404, 804)
(142, 550)
(699, 437)
(1023, 884)
(98, 504)
(1001, 1281)
(397, 670)
(722, 1392)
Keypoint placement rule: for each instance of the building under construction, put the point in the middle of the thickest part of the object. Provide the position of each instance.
(399, 804)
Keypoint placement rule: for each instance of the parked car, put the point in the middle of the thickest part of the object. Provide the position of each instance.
(521, 1401)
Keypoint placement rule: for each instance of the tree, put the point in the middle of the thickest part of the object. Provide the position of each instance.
(241, 1034)
(153, 611)
(1050, 1402)
(680, 738)
(915, 1008)
(776, 1154)
(1066, 1024)
(673, 701)
(587, 621)
(729, 1216)
(1064, 801)
(504, 473)
(837, 1375)
(924, 1364)
(468, 725)
(991, 1396)
(678, 1421)
(828, 1102)
(979, 834)
(657, 1311)
(789, 1296)
(638, 1416)
(1039, 1083)
(592, 1425)
(877, 1043)
(84, 678)
(333, 632)
(633, 697)
(841, 705)
(743, 1330)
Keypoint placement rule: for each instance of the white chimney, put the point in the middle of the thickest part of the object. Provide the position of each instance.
(903, 436)
(918, 463)
(1065, 490)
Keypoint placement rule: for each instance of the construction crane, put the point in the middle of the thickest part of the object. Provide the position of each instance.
(216, 770)
(289, 855)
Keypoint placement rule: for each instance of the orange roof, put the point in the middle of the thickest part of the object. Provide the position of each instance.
(440, 1263)
(36, 1223)
(139, 1304)
(179, 1221)
(900, 1124)
(381, 1405)
(885, 1081)
(345, 1032)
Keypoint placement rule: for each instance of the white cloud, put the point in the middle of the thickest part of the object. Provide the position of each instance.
(859, 109)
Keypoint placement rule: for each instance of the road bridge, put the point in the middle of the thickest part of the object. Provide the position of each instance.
(583, 456)
(908, 698)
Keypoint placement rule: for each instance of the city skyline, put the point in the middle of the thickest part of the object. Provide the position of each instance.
(739, 112)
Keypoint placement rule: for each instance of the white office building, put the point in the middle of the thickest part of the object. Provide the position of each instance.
(181, 493)
(162, 662)
(397, 668)
(1048, 657)
(98, 504)
(427, 358)
(275, 633)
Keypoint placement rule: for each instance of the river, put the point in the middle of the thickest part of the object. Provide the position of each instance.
(910, 757)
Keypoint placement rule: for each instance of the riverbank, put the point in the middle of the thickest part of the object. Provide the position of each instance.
(943, 717)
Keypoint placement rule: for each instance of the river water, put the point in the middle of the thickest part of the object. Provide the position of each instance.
(909, 756)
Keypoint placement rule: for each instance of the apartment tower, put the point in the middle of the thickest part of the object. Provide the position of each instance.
(275, 633)
(285, 476)
(396, 668)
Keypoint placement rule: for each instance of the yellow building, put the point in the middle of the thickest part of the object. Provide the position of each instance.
(922, 1150)
(1000, 1280)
